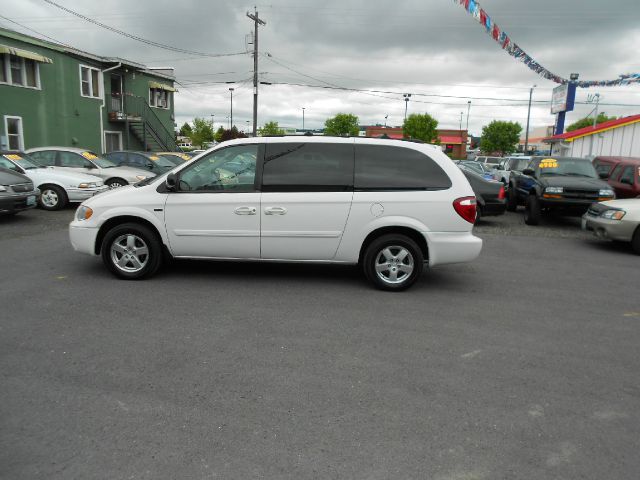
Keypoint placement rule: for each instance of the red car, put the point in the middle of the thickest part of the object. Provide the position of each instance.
(622, 173)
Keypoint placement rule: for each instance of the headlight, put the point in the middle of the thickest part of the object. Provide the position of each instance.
(613, 214)
(140, 177)
(83, 213)
(87, 185)
(554, 190)
(3, 188)
(605, 192)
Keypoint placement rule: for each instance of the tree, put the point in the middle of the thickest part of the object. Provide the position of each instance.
(185, 130)
(270, 128)
(588, 122)
(231, 134)
(201, 132)
(500, 137)
(219, 133)
(422, 127)
(343, 124)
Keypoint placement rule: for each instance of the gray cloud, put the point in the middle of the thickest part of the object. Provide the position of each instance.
(431, 47)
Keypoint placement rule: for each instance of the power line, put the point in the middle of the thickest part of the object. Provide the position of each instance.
(140, 39)
(34, 31)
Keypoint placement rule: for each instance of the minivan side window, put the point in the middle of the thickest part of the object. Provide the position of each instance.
(308, 167)
(228, 169)
(381, 167)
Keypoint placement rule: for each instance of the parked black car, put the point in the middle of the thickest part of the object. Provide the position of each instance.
(565, 184)
(144, 160)
(17, 192)
(490, 194)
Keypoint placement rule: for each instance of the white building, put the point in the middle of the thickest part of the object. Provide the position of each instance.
(619, 137)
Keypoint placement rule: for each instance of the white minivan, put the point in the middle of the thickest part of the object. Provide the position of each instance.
(390, 206)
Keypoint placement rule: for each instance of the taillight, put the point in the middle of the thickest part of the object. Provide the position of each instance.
(466, 208)
(501, 195)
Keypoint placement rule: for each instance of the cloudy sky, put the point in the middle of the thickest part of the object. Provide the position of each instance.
(430, 48)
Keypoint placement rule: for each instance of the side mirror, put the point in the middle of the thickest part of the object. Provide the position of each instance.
(149, 166)
(171, 182)
(603, 175)
(627, 181)
(529, 171)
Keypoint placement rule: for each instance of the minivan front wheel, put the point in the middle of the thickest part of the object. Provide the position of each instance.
(393, 262)
(131, 251)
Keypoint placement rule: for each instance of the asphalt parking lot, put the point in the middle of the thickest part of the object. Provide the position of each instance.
(521, 365)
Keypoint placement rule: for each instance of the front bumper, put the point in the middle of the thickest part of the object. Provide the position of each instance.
(610, 229)
(81, 194)
(452, 247)
(577, 205)
(83, 239)
(17, 202)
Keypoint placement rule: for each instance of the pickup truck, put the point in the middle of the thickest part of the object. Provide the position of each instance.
(565, 184)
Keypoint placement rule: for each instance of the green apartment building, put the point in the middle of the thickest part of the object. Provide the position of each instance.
(55, 95)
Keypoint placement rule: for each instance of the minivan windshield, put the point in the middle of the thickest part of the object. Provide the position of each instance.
(570, 167)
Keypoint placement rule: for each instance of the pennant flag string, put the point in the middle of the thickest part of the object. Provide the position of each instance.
(501, 37)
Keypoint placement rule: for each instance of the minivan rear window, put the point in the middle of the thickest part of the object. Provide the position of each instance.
(381, 167)
(308, 167)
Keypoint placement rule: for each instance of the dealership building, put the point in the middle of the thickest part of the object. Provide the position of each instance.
(454, 142)
(620, 137)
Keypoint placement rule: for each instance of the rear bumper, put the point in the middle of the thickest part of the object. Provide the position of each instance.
(494, 208)
(452, 247)
(83, 239)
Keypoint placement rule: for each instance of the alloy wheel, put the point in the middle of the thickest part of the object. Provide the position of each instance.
(129, 253)
(394, 264)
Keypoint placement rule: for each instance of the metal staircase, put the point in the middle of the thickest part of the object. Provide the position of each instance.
(143, 123)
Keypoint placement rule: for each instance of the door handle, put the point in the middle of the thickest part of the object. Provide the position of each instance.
(275, 211)
(245, 211)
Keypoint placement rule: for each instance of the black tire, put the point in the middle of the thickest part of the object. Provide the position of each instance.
(635, 241)
(116, 182)
(52, 197)
(512, 199)
(142, 237)
(532, 210)
(397, 245)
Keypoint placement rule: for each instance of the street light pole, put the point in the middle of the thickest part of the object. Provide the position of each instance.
(212, 124)
(468, 110)
(231, 121)
(385, 120)
(302, 118)
(526, 135)
(595, 97)
(406, 103)
(461, 114)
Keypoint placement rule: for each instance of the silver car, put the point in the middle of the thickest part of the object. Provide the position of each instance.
(615, 220)
(85, 161)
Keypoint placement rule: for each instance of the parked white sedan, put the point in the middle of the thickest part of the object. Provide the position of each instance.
(615, 220)
(79, 160)
(57, 187)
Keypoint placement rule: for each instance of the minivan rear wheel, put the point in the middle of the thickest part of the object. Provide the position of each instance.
(393, 262)
(131, 251)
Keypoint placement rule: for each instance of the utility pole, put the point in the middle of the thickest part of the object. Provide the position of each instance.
(302, 118)
(256, 22)
(526, 135)
(461, 114)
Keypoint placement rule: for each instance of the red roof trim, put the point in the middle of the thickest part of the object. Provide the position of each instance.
(591, 130)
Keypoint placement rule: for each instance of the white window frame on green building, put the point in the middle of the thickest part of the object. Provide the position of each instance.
(19, 136)
(8, 64)
(93, 82)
